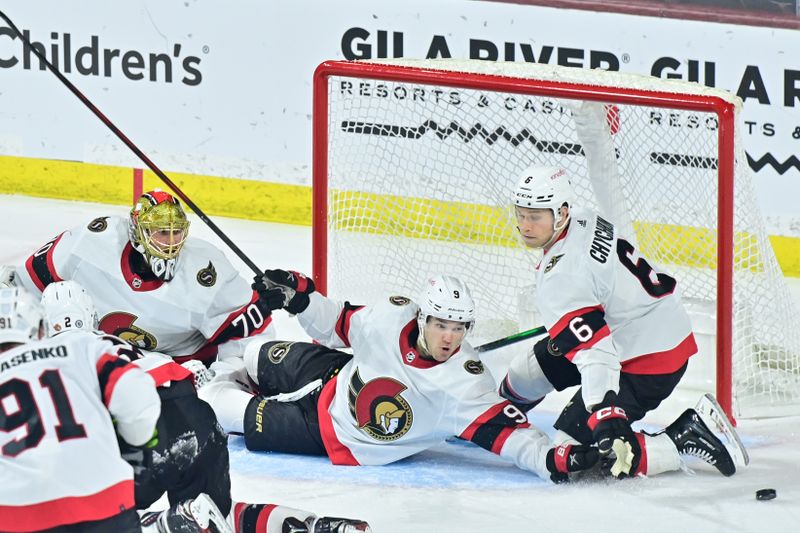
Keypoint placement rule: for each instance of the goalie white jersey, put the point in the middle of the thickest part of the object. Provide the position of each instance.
(388, 403)
(605, 305)
(60, 462)
(192, 316)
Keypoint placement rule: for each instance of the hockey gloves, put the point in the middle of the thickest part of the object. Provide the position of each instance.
(619, 448)
(567, 458)
(293, 289)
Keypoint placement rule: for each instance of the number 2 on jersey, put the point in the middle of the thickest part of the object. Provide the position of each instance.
(28, 414)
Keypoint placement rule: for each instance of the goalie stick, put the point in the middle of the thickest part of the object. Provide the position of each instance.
(135, 149)
(511, 339)
(710, 411)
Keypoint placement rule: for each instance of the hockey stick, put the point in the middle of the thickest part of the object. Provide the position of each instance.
(135, 149)
(511, 339)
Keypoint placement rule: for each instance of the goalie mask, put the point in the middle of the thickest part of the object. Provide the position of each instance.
(447, 298)
(67, 305)
(157, 229)
(20, 316)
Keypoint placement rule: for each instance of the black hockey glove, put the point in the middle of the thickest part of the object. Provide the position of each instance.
(567, 458)
(619, 448)
(293, 286)
(139, 457)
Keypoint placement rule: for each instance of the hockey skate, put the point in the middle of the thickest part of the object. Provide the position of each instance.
(199, 515)
(325, 524)
(692, 437)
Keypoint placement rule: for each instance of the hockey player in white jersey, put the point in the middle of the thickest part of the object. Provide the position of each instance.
(189, 460)
(60, 466)
(411, 383)
(153, 286)
(616, 326)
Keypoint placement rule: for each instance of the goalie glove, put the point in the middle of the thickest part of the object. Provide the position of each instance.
(619, 448)
(293, 286)
(567, 458)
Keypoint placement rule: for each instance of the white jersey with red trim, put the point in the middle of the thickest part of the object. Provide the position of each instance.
(204, 306)
(388, 402)
(605, 307)
(59, 457)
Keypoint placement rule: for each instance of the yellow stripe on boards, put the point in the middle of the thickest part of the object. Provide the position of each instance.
(372, 213)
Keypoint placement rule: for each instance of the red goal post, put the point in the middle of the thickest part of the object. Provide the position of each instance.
(381, 126)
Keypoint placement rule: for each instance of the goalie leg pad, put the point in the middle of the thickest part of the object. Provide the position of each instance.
(289, 427)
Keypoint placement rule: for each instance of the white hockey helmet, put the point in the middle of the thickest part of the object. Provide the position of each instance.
(447, 298)
(67, 305)
(20, 316)
(544, 188)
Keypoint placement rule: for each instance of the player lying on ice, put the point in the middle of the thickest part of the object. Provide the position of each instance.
(153, 284)
(412, 382)
(616, 327)
(188, 459)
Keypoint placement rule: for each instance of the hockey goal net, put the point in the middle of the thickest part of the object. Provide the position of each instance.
(415, 162)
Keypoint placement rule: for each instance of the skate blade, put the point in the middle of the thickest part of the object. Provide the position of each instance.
(712, 414)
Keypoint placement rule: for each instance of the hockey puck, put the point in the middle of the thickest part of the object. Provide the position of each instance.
(766, 494)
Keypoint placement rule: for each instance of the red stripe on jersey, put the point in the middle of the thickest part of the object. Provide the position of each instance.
(169, 371)
(51, 268)
(263, 516)
(234, 315)
(665, 362)
(490, 413)
(564, 320)
(338, 453)
(132, 279)
(642, 468)
(113, 377)
(597, 337)
(343, 322)
(68, 510)
(501, 439)
(409, 353)
(206, 354)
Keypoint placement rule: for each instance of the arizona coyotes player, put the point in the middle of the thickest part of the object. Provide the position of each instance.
(189, 460)
(153, 286)
(616, 326)
(59, 460)
(410, 384)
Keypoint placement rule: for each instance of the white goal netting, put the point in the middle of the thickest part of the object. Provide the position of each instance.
(420, 178)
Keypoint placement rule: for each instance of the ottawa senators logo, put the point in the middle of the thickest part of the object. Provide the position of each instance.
(97, 225)
(553, 263)
(278, 351)
(473, 367)
(207, 276)
(121, 325)
(378, 408)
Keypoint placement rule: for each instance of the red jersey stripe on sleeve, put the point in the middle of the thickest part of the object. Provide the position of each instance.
(40, 265)
(564, 321)
(109, 370)
(343, 322)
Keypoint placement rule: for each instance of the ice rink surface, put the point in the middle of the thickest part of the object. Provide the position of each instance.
(458, 487)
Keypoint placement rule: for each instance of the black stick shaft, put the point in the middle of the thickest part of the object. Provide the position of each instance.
(135, 149)
(511, 339)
